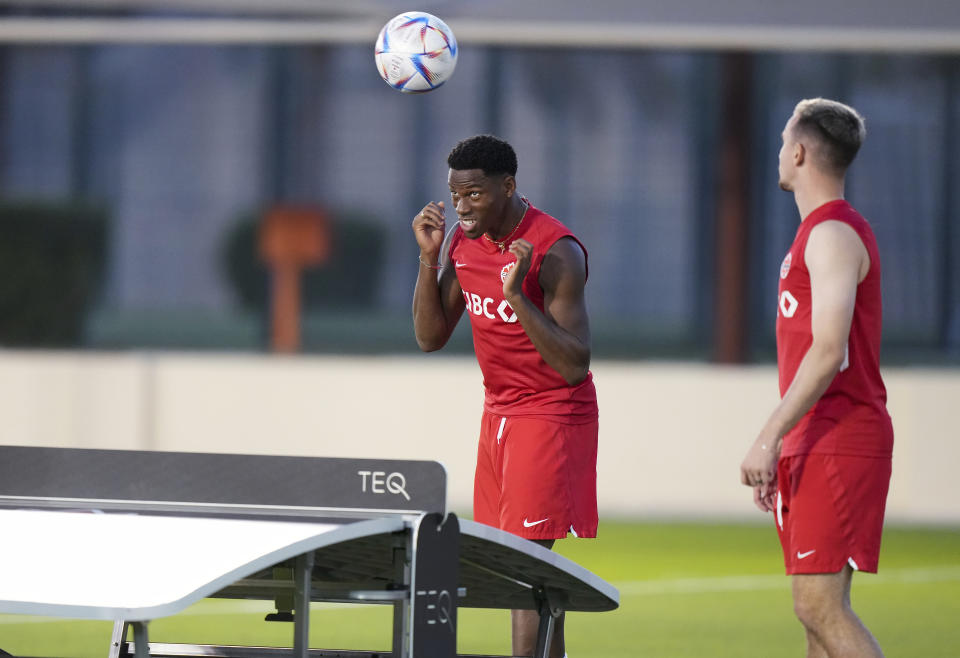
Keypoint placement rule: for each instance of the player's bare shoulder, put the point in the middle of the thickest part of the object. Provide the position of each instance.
(834, 241)
(564, 263)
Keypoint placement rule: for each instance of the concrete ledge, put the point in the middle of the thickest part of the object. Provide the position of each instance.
(671, 435)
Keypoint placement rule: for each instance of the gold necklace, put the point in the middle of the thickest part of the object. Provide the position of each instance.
(502, 243)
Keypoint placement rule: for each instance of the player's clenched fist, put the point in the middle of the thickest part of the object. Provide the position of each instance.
(429, 227)
(513, 282)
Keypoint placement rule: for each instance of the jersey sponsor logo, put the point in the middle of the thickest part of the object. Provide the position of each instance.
(506, 270)
(484, 307)
(788, 304)
(785, 265)
(800, 555)
(457, 264)
(530, 524)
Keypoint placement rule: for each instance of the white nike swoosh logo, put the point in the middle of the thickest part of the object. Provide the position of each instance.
(528, 524)
(800, 555)
(459, 265)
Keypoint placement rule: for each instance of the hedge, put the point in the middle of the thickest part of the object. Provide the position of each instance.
(52, 260)
(349, 279)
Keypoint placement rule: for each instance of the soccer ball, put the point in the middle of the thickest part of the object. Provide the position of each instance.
(415, 52)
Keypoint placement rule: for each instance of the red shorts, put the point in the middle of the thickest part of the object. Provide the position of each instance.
(830, 511)
(537, 476)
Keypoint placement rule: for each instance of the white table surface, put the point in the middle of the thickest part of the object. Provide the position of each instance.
(133, 567)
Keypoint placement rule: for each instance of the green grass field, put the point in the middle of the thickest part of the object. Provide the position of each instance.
(686, 589)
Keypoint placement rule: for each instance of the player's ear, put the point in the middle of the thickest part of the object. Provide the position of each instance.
(799, 153)
(509, 185)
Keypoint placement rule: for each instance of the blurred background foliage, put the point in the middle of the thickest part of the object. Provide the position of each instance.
(52, 259)
(348, 280)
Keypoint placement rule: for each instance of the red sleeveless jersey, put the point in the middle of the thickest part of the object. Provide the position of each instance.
(517, 381)
(850, 418)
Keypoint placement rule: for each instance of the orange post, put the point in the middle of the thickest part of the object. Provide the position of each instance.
(291, 238)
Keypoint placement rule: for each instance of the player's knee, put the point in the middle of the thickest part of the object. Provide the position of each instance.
(806, 612)
(812, 609)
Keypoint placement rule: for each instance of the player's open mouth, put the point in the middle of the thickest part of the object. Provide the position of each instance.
(467, 224)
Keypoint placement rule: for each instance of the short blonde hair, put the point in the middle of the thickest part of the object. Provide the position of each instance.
(838, 129)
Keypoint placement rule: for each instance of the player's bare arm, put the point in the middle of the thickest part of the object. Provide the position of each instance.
(561, 333)
(437, 298)
(837, 261)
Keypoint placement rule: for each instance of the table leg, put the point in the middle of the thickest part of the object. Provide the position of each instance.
(303, 577)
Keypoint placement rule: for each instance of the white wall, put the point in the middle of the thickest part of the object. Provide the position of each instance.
(671, 435)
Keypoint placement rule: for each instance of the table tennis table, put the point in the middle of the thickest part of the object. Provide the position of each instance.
(132, 536)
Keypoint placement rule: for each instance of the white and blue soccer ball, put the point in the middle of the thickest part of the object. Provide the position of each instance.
(415, 52)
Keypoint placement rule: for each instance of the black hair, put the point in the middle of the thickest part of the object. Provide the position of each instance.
(490, 154)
